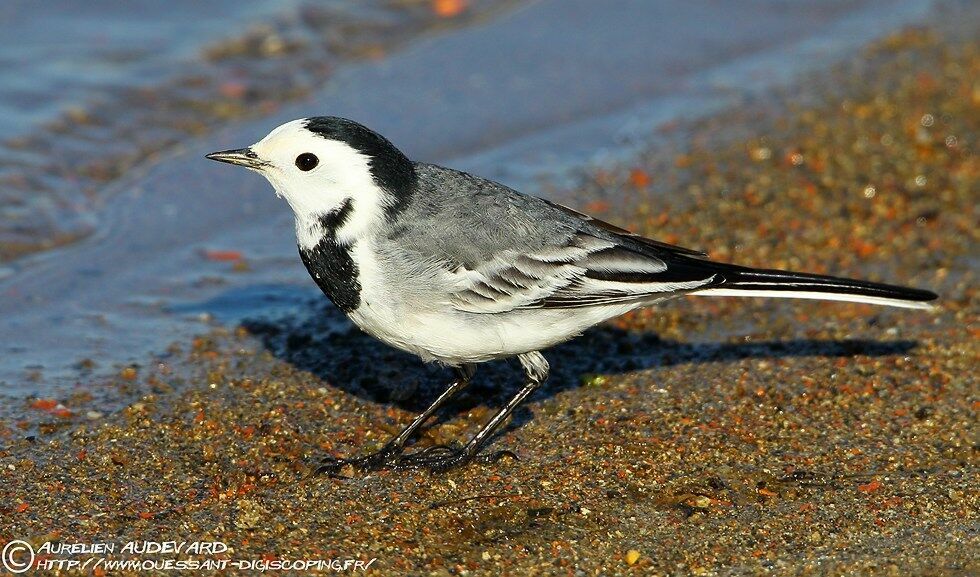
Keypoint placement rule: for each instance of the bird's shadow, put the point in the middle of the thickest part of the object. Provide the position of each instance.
(317, 338)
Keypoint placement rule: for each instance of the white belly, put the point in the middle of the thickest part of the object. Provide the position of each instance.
(413, 313)
(454, 337)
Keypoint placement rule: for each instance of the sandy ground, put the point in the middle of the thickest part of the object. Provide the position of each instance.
(711, 436)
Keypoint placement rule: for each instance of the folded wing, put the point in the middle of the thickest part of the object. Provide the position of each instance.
(584, 270)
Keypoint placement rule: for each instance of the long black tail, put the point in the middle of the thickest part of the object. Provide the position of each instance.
(734, 280)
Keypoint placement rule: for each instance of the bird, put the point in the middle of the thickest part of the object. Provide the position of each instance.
(461, 270)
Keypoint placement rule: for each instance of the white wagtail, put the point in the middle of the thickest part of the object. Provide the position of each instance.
(461, 270)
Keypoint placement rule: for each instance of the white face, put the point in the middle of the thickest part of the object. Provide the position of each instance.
(338, 171)
(316, 176)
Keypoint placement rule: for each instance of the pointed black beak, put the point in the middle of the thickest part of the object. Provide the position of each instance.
(242, 157)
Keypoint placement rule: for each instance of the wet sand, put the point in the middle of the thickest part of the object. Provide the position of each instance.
(709, 436)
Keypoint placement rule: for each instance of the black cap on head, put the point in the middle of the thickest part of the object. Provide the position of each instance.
(391, 169)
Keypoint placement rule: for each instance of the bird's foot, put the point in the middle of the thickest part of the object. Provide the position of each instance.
(437, 459)
(384, 458)
(441, 458)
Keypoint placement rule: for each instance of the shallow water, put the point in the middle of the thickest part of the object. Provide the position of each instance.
(70, 51)
(92, 91)
(523, 98)
(58, 61)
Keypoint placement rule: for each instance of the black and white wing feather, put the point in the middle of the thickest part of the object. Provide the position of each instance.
(583, 271)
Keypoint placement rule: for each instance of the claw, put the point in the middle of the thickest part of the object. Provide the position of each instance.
(332, 468)
(441, 458)
(382, 459)
(437, 459)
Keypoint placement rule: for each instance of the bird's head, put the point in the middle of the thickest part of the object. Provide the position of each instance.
(323, 165)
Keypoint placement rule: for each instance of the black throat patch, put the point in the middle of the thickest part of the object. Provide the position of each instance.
(330, 263)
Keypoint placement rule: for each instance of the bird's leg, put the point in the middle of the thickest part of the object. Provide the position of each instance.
(441, 458)
(390, 453)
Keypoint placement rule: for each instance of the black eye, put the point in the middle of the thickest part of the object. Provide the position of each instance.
(307, 161)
